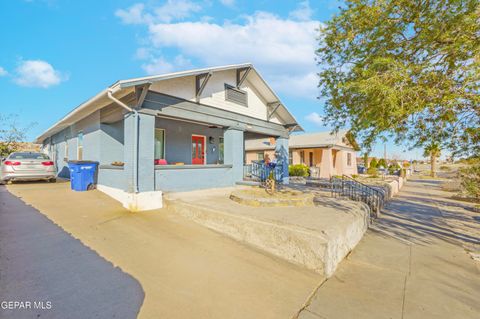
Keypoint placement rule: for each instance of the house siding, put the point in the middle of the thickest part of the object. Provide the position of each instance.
(214, 93)
(112, 177)
(185, 179)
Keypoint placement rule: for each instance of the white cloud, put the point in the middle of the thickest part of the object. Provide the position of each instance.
(158, 65)
(315, 118)
(3, 72)
(168, 12)
(283, 49)
(303, 12)
(37, 73)
(132, 15)
(228, 3)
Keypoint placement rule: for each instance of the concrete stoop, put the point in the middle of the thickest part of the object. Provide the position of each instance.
(317, 250)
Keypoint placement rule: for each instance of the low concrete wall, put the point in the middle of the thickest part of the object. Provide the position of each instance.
(395, 186)
(317, 250)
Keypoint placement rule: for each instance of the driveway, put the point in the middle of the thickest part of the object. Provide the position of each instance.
(415, 262)
(186, 270)
(54, 275)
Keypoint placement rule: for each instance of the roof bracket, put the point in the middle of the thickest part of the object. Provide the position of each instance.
(200, 83)
(270, 114)
(141, 93)
(241, 78)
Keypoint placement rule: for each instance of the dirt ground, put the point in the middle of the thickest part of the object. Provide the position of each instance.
(186, 270)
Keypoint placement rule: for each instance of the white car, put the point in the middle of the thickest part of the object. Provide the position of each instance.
(24, 166)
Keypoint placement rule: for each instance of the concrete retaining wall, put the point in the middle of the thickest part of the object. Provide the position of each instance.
(317, 250)
(395, 186)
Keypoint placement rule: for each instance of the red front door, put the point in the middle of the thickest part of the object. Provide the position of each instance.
(198, 149)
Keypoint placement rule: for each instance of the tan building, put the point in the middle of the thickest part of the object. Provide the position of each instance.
(326, 154)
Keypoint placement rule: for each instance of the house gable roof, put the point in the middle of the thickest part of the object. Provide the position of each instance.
(307, 140)
(122, 88)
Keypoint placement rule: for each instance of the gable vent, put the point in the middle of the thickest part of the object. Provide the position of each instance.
(235, 95)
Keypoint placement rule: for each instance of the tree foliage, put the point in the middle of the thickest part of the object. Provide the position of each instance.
(470, 180)
(11, 134)
(382, 162)
(407, 69)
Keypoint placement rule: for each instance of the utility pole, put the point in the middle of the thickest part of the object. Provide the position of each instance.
(385, 152)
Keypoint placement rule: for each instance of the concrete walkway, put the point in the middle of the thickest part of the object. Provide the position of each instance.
(413, 263)
(186, 270)
(42, 264)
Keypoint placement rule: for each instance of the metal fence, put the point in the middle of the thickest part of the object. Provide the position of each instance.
(262, 171)
(354, 190)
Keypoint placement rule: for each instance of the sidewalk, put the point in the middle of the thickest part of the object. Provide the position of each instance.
(413, 263)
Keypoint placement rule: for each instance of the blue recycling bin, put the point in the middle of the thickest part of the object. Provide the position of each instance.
(83, 175)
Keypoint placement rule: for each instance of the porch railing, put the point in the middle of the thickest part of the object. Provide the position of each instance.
(355, 190)
(262, 171)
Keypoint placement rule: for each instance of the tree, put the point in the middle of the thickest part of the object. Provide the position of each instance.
(365, 159)
(373, 162)
(405, 69)
(11, 134)
(382, 162)
(433, 151)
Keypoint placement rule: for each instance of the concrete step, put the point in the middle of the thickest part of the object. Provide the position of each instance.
(249, 183)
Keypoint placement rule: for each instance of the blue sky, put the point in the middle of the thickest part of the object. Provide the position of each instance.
(55, 54)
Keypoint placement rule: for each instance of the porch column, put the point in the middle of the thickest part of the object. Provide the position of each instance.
(326, 166)
(281, 153)
(340, 162)
(141, 146)
(234, 152)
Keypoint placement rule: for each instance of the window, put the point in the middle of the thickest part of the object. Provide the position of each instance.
(349, 159)
(235, 95)
(260, 156)
(28, 155)
(220, 150)
(310, 159)
(290, 157)
(302, 157)
(66, 150)
(80, 146)
(159, 144)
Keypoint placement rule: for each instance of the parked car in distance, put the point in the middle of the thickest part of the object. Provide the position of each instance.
(25, 166)
(361, 169)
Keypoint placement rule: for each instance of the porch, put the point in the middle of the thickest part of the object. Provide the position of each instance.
(158, 153)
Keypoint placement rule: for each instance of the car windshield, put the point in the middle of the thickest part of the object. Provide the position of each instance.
(19, 156)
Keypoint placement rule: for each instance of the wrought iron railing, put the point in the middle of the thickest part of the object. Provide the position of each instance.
(247, 171)
(262, 171)
(355, 190)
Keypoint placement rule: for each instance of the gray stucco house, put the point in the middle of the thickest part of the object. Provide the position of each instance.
(173, 132)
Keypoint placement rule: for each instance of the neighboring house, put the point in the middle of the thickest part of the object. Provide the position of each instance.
(173, 132)
(327, 154)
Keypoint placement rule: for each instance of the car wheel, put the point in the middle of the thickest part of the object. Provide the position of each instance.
(52, 180)
(2, 182)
